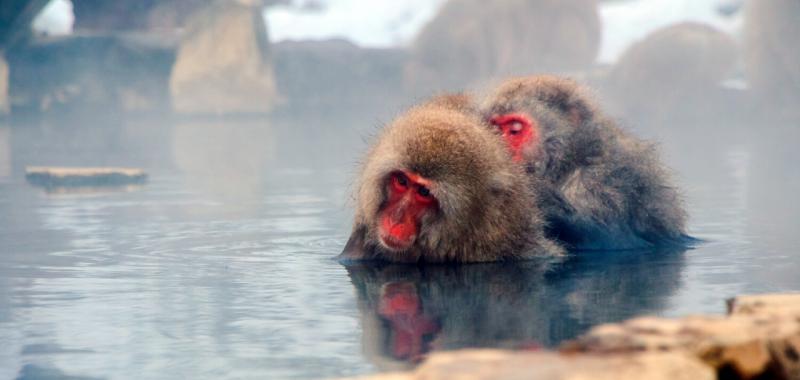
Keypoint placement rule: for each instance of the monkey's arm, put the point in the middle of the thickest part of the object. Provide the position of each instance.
(355, 249)
(623, 204)
(594, 213)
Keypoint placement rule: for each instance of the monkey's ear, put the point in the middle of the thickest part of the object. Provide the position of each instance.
(355, 248)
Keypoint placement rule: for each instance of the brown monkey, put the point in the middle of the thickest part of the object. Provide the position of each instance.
(600, 187)
(438, 187)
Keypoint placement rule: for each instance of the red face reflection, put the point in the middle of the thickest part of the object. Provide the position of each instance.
(411, 330)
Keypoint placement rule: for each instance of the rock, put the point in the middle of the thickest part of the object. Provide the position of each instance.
(675, 71)
(54, 177)
(90, 74)
(762, 304)
(337, 72)
(771, 51)
(15, 20)
(466, 43)
(4, 106)
(759, 339)
(160, 16)
(495, 364)
(223, 65)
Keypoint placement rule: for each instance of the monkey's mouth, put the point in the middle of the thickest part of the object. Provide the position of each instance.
(394, 244)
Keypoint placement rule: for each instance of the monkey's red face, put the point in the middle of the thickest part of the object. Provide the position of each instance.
(409, 200)
(519, 131)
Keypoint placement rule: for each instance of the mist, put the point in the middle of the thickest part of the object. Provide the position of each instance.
(251, 119)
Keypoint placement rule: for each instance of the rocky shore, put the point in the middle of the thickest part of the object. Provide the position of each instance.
(759, 338)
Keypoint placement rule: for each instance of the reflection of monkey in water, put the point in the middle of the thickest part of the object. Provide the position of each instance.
(410, 328)
(408, 311)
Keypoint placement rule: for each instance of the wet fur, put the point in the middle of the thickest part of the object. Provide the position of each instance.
(600, 187)
(485, 210)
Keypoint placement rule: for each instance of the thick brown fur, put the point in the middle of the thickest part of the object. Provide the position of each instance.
(600, 187)
(484, 213)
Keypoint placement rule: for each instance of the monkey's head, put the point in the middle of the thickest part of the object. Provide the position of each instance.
(438, 186)
(536, 115)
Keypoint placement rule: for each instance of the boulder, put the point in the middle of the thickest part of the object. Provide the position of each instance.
(763, 304)
(56, 177)
(676, 70)
(759, 339)
(223, 64)
(15, 20)
(141, 15)
(337, 72)
(495, 364)
(90, 74)
(771, 51)
(471, 41)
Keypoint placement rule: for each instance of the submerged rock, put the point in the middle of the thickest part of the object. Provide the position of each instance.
(66, 177)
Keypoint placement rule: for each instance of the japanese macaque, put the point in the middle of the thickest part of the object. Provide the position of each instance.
(438, 187)
(599, 187)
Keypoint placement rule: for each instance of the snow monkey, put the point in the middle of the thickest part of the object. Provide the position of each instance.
(438, 186)
(599, 187)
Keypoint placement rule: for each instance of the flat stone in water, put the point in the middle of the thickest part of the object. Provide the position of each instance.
(51, 177)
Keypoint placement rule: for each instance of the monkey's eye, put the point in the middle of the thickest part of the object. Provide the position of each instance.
(423, 191)
(424, 195)
(399, 182)
(515, 128)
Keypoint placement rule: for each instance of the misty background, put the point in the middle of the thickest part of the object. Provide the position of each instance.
(251, 116)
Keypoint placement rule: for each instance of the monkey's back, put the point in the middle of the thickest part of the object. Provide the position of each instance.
(601, 188)
(620, 197)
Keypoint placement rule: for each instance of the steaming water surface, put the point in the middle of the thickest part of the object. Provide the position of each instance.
(222, 265)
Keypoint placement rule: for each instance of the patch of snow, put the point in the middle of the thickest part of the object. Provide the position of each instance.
(626, 22)
(364, 22)
(55, 19)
